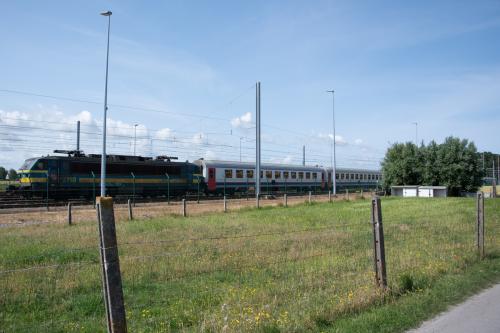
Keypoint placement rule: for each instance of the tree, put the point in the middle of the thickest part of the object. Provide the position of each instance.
(454, 163)
(3, 173)
(401, 165)
(12, 174)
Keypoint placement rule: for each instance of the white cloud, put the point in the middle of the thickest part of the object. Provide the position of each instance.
(244, 121)
(358, 142)
(339, 140)
(164, 134)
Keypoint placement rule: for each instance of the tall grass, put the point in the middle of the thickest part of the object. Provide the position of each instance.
(274, 269)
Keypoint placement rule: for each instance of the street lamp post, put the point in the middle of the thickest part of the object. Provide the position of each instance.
(103, 156)
(333, 158)
(135, 136)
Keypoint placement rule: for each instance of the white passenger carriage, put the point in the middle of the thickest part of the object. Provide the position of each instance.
(355, 178)
(225, 176)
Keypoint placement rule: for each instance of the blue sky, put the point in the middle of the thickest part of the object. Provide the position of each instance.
(188, 70)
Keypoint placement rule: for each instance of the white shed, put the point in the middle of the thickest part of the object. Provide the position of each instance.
(432, 191)
(419, 191)
(404, 191)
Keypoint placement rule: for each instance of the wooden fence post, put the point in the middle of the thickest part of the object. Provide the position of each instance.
(130, 213)
(285, 198)
(494, 188)
(378, 244)
(70, 221)
(362, 194)
(480, 224)
(110, 265)
(329, 196)
(225, 205)
(184, 208)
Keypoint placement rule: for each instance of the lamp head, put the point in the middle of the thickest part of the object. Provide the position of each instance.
(108, 13)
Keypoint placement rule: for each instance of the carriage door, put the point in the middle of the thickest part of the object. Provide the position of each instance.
(330, 180)
(53, 170)
(322, 180)
(211, 179)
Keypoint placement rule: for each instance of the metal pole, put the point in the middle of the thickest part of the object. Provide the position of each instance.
(334, 161)
(78, 136)
(103, 157)
(257, 134)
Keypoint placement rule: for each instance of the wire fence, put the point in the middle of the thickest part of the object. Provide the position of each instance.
(285, 269)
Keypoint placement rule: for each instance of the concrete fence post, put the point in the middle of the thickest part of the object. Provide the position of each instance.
(225, 205)
(70, 221)
(329, 196)
(480, 224)
(310, 199)
(285, 199)
(347, 194)
(362, 194)
(494, 188)
(184, 213)
(130, 212)
(110, 267)
(378, 243)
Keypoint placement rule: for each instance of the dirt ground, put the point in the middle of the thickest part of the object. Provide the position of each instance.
(32, 216)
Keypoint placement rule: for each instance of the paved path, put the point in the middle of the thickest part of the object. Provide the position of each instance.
(480, 313)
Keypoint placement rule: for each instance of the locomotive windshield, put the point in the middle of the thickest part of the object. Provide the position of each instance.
(28, 164)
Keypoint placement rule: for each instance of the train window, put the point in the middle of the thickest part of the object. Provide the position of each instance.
(285, 174)
(277, 174)
(369, 177)
(341, 176)
(269, 174)
(301, 175)
(308, 175)
(315, 175)
(249, 173)
(261, 174)
(357, 176)
(294, 175)
(211, 173)
(239, 173)
(228, 173)
(337, 176)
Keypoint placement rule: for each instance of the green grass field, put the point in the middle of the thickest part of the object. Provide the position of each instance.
(297, 269)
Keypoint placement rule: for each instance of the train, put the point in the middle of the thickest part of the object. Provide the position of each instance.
(77, 175)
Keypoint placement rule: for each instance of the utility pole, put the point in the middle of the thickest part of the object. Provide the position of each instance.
(257, 134)
(78, 136)
(333, 159)
(483, 162)
(103, 156)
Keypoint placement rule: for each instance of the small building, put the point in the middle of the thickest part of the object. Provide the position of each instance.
(419, 191)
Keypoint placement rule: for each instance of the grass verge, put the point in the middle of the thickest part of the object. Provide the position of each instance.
(304, 268)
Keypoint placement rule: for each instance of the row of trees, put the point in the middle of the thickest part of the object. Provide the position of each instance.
(10, 174)
(455, 163)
